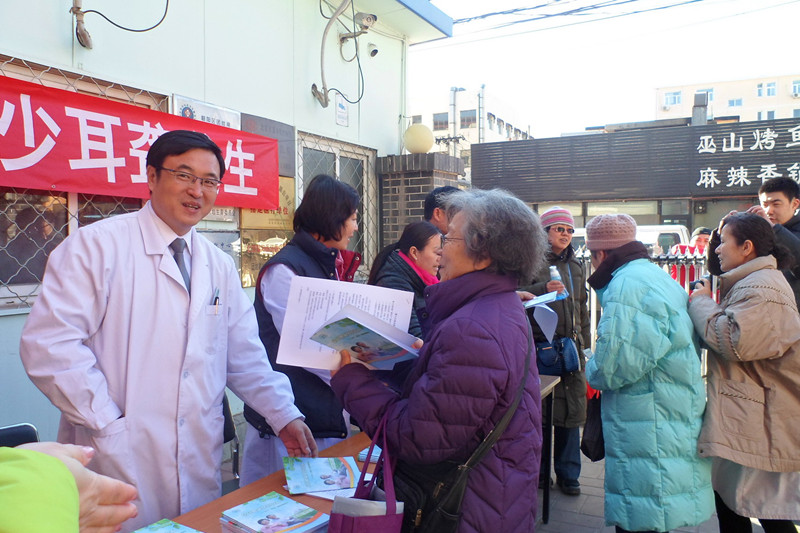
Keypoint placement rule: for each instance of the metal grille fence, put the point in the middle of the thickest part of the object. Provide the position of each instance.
(354, 165)
(33, 222)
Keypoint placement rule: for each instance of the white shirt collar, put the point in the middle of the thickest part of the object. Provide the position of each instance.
(165, 231)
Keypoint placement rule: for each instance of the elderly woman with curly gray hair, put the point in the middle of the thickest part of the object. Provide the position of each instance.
(470, 366)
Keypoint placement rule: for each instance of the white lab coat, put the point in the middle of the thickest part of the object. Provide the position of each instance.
(137, 369)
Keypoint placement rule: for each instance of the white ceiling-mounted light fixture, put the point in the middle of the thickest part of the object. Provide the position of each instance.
(81, 33)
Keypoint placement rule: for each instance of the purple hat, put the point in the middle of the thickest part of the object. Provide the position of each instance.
(608, 232)
(557, 215)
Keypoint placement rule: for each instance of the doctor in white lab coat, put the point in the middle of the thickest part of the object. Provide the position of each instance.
(135, 362)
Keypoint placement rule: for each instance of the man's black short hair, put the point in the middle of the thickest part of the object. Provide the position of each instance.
(327, 203)
(787, 186)
(436, 199)
(179, 142)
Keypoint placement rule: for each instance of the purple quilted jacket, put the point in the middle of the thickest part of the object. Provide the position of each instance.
(465, 378)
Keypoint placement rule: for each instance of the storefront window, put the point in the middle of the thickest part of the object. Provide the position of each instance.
(92, 208)
(257, 247)
(674, 207)
(32, 224)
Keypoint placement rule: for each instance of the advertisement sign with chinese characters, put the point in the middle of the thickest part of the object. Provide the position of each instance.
(741, 157)
(57, 140)
(281, 218)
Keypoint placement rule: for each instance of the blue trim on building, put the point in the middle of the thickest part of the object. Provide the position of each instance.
(431, 14)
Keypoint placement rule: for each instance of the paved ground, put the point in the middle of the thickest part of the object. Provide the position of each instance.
(584, 513)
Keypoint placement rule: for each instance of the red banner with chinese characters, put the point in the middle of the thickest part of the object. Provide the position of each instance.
(57, 140)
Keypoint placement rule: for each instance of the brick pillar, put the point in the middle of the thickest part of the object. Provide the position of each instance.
(404, 181)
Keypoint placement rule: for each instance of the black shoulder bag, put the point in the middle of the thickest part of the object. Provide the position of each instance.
(432, 494)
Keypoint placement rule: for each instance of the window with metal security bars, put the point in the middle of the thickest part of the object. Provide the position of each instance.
(32, 222)
(353, 164)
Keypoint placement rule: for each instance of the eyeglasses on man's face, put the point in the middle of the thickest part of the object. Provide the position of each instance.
(563, 229)
(208, 184)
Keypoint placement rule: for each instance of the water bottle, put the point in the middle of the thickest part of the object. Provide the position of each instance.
(556, 276)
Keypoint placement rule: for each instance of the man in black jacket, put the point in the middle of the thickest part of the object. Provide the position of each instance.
(780, 199)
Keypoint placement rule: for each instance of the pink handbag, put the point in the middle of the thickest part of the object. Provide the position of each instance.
(392, 520)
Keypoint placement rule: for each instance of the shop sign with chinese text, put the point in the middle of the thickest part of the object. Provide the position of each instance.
(746, 154)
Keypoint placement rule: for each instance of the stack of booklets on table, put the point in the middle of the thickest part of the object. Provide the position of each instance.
(164, 526)
(273, 513)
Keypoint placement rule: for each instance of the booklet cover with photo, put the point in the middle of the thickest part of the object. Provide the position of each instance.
(315, 474)
(273, 513)
(314, 302)
(164, 526)
(370, 341)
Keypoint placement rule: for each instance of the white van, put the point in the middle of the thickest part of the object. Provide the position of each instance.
(658, 238)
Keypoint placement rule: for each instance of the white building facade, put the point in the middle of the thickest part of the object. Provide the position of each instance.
(768, 98)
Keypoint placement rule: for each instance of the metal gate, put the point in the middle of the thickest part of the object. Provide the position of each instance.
(354, 165)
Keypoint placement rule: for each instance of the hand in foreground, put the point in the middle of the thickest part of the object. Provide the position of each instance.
(759, 211)
(298, 439)
(702, 288)
(347, 358)
(105, 503)
(554, 286)
(724, 219)
(525, 295)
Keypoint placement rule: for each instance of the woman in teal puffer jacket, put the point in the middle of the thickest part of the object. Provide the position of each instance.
(647, 366)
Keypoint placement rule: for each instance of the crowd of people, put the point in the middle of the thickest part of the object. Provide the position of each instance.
(142, 323)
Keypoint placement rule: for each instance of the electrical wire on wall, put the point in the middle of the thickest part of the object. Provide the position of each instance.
(154, 26)
(361, 84)
(82, 34)
(359, 19)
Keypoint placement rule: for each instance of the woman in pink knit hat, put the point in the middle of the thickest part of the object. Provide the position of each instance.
(569, 397)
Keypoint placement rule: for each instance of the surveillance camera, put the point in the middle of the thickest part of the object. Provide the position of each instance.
(372, 49)
(366, 20)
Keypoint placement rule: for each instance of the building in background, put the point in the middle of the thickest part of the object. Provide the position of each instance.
(467, 116)
(768, 98)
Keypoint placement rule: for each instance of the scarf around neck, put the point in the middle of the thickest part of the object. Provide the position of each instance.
(426, 277)
(615, 259)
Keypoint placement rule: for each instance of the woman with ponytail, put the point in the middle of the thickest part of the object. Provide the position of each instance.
(751, 426)
(411, 266)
